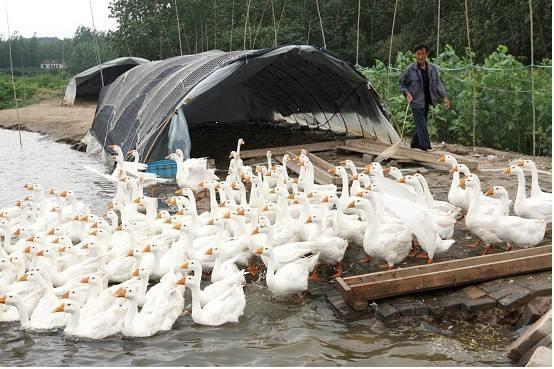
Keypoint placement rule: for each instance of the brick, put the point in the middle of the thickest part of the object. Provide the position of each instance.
(451, 303)
(387, 312)
(543, 288)
(474, 292)
(517, 297)
(501, 292)
(483, 303)
(494, 285)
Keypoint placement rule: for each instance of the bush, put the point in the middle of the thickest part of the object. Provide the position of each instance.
(31, 89)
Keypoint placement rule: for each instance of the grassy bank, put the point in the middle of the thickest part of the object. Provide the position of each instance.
(31, 89)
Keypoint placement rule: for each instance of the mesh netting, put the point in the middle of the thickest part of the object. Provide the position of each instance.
(298, 84)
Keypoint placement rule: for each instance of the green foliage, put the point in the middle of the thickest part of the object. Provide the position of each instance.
(31, 89)
(504, 113)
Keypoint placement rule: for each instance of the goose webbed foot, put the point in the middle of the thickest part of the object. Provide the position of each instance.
(415, 245)
(315, 274)
(339, 270)
(474, 245)
(364, 260)
(487, 249)
(423, 255)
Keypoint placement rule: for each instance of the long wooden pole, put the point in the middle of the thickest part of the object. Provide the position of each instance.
(13, 81)
(438, 26)
(96, 44)
(321, 24)
(232, 26)
(473, 82)
(358, 33)
(178, 28)
(532, 74)
(390, 48)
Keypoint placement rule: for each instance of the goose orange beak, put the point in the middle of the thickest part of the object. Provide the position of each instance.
(27, 250)
(65, 295)
(40, 253)
(59, 309)
(309, 220)
(2, 299)
(227, 215)
(93, 233)
(265, 208)
(122, 292)
(442, 158)
(352, 205)
(463, 183)
(50, 232)
(325, 199)
(146, 249)
(135, 273)
(255, 231)
(490, 191)
(508, 170)
(57, 240)
(210, 251)
(210, 222)
(181, 212)
(137, 200)
(130, 253)
(85, 280)
(453, 169)
(159, 215)
(23, 278)
(185, 265)
(332, 170)
(520, 163)
(402, 180)
(181, 281)
(386, 170)
(259, 250)
(177, 226)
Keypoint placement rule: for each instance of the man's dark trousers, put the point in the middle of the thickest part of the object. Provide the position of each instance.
(420, 139)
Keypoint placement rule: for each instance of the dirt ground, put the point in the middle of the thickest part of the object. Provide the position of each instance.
(62, 123)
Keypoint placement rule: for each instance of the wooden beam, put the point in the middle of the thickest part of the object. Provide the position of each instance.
(376, 147)
(313, 147)
(379, 285)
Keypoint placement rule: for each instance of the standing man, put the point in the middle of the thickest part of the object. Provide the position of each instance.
(422, 86)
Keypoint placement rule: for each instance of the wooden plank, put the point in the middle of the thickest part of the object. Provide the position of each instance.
(313, 147)
(320, 176)
(431, 277)
(450, 278)
(373, 147)
(316, 160)
(445, 265)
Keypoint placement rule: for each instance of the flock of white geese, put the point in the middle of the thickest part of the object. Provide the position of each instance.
(61, 266)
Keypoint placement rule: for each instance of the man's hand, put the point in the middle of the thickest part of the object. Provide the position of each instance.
(409, 97)
(446, 103)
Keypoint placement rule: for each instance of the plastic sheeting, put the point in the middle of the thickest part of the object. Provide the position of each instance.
(88, 82)
(150, 107)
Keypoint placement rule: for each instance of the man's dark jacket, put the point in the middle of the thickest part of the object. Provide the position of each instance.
(412, 82)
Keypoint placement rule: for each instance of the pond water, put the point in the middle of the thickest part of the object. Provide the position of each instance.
(270, 333)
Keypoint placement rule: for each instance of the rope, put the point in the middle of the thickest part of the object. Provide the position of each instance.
(358, 33)
(438, 26)
(232, 26)
(321, 24)
(473, 87)
(13, 81)
(532, 74)
(309, 28)
(178, 28)
(96, 44)
(390, 47)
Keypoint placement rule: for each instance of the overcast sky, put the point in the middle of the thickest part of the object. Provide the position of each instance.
(58, 18)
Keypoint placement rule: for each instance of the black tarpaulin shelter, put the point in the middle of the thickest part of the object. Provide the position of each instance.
(152, 106)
